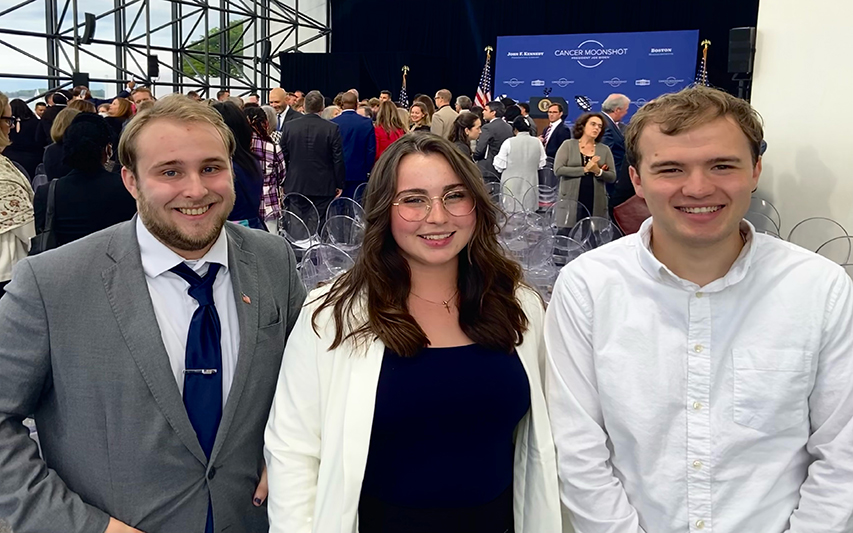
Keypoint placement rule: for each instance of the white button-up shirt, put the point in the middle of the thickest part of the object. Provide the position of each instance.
(723, 408)
(174, 307)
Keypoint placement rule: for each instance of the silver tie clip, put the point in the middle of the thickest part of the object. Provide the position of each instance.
(205, 371)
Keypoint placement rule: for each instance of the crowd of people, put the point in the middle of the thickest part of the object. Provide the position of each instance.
(696, 375)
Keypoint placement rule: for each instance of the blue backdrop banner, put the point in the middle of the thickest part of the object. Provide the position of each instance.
(641, 66)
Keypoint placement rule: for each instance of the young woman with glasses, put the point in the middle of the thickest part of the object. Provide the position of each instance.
(410, 396)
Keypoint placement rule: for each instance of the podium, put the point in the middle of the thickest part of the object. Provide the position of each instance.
(537, 103)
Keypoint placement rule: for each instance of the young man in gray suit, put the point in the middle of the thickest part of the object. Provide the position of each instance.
(493, 134)
(150, 377)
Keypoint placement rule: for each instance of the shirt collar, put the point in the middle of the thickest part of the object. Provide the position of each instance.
(658, 271)
(157, 258)
(556, 123)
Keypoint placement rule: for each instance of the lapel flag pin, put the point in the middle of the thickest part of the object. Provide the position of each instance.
(246, 299)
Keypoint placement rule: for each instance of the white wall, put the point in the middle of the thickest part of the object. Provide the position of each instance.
(803, 87)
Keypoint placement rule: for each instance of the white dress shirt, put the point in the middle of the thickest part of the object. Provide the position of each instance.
(551, 129)
(174, 307)
(723, 408)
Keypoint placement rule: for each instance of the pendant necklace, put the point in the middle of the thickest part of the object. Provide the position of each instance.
(445, 303)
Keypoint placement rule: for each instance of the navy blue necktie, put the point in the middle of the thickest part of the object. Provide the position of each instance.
(203, 374)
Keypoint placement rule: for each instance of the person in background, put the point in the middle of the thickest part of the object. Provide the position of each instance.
(59, 99)
(248, 175)
(700, 374)
(17, 224)
(104, 110)
(54, 168)
(463, 103)
(410, 397)
(512, 111)
(89, 198)
(442, 119)
(271, 118)
(374, 105)
(419, 116)
(494, 132)
(466, 129)
(385, 96)
(39, 110)
(271, 159)
(365, 111)
(141, 94)
(299, 106)
(331, 112)
(358, 140)
(521, 156)
(583, 164)
(81, 92)
(83, 106)
(388, 126)
(121, 109)
(477, 110)
(284, 112)
(614, 109)
(525, 112)
(253, 98)
(427, 102)
(557, 132)
(24, 150)
(223, 95)
(192, 95)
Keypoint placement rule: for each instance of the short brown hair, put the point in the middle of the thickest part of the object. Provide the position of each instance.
(580, 125)
(691, 107)
(84, 106)
(175, 107)
(445, 95)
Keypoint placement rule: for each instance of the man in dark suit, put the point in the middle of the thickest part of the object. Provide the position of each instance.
(314, 156)
(493, 134)
(148, 352)
(525, 112)
(283, 112)
(614, 108)
(359, 143)
(556, 132)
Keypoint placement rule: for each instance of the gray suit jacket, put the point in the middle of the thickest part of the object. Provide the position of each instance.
(80, 349)
(492, 136)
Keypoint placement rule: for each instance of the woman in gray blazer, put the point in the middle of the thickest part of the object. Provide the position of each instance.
(583, 165)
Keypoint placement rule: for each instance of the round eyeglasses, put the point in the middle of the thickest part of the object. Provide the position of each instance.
(10, 121)
(416, 207)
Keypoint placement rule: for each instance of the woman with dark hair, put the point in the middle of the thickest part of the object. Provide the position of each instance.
(248, 176)
(271, 159)
(410, 396)
(89, 198)
(466, 128)
(389, 127)
(24, 150)
(582, 178)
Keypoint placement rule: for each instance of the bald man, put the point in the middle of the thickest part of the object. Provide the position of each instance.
(278, 101)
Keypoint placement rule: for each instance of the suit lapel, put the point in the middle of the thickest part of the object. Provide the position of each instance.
(243, 268)
(127, 292)
(613, 125)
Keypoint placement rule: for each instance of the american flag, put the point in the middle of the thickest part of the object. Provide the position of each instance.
(484, 90)
(702, 73)
(404, 97)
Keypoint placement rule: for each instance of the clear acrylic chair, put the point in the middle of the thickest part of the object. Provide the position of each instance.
(542, 198)
(347, 207)
(518, 188)
(344, 232)
(303, 208)
(322, 263)
(293, 228)
(812, 232)
(762, 223)
(593, 232)
(358, 194)
(574, 212)
(838, 250)
(759, 205)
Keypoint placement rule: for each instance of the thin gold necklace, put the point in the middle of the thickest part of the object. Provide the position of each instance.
(445, 303)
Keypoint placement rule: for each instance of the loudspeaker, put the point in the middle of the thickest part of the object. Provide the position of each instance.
(88, 29)
(80, 78)
(153, 67)
(741, 50)
(266, 51)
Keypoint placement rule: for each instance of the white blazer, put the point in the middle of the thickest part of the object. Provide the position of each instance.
(318, 433)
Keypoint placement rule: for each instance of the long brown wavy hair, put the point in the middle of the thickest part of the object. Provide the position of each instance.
(489, 312)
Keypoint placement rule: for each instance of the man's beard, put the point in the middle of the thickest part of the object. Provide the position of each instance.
(169, 234)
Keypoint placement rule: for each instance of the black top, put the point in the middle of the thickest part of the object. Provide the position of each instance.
(248, 187)
(442, 439)
(85, 203)
(586, 193)
(24, 148)
(54, 168)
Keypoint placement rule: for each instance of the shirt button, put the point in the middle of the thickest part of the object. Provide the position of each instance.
(699, 294)
(698, 348)
(697, 405)
(697, 465)
(700, 524)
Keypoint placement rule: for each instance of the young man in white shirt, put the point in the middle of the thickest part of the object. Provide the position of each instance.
(700, 374)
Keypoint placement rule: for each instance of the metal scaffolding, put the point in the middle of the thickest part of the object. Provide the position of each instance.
(228, 44)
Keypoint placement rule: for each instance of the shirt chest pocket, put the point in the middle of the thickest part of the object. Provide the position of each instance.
(770, 388)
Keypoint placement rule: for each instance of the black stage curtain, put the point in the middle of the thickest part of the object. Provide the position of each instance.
(443, 43)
